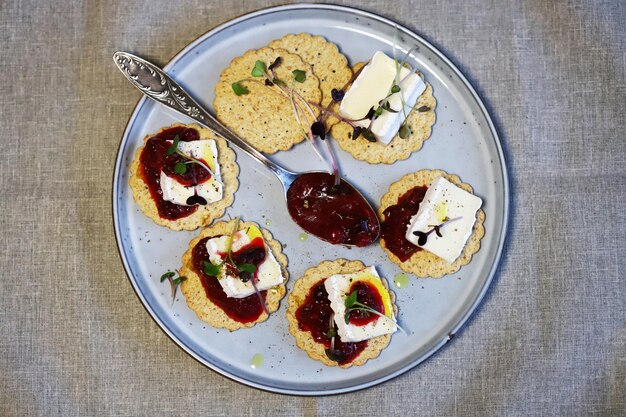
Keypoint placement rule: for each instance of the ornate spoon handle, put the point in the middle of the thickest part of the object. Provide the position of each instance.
(157, 85)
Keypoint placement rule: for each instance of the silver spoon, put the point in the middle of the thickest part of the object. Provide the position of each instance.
(157, 85)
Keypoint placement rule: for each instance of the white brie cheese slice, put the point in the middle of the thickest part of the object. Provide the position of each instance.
(371, 86)
(269, 272)
(445, 200)
(385, 126)
(374, 84)
(338, 287)
(210, 190)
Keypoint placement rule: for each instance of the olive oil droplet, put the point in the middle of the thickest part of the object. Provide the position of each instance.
(268, 222)
(401, 280)
(303, 237)
(257, 361)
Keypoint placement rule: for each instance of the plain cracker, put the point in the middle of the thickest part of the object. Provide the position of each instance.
(424, 263)
(195, 294)
(304, 339)
(265, 117)
(398, 149)
(329, 65)
(204, 215)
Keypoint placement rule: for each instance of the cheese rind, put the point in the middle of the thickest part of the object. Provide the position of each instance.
(269, 273)
(210, 190)
(445, 200)
(338, 287)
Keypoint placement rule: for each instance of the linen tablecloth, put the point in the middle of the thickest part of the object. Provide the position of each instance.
(550, 336)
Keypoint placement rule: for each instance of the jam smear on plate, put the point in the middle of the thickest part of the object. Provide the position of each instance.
(154, 159)
(396, 220)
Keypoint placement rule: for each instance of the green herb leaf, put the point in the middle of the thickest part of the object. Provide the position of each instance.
(167, 275)
(239, 89)
(250, 268)
(299, 75)
(346, 318)
(379, 111)
(173, 147)
(211, 270)
(332, 332)
(180, 168)
(395, 89)
(259, 69)
(367, 134)
(387, 107)
(405, 130)
(351, 299)
(178, 280)
(335, 355)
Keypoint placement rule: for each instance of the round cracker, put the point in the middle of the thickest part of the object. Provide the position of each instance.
(265, 117)
(329, 65)
(204, 215)
(398, 149)
(194, 292)
(423, 263)
(304, 339)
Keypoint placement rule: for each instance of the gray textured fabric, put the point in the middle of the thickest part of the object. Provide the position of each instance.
(550, 337)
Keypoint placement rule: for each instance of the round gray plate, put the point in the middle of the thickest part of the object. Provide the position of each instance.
(463, 142)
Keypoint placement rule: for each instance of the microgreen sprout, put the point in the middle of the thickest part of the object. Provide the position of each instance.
(259, 69)
(174, 282)
(239, 89)
(423, 236)
(245, 271)
(332, 353)
(352, 304)
(181, 167)
(299, 75)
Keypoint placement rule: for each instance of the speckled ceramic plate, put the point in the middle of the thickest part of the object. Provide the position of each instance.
(463, 142)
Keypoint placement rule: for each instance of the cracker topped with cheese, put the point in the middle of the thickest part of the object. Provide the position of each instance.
(184, 177)
(431, 223)
(342, 313)
(236, 275)
(388, 112)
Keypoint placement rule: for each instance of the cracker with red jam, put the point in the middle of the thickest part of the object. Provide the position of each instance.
(310, 289)
(151, 159)
(420, 122)
(261, 112)
(205, 294)
(409, 190)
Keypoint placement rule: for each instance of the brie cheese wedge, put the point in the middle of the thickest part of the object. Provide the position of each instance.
(210, 190)
(338, 288)
(443, 202)
(372, 85)
(269, 272)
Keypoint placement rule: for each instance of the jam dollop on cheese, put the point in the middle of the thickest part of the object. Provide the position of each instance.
(314, 316)
(243, 310)
(395, 222)
(366, 294)
(247, 247)
(154, 159)
(335, 213)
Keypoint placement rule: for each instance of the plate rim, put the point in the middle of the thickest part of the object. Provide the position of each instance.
(437, 345)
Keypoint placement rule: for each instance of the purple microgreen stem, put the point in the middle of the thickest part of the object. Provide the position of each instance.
(423, 236)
